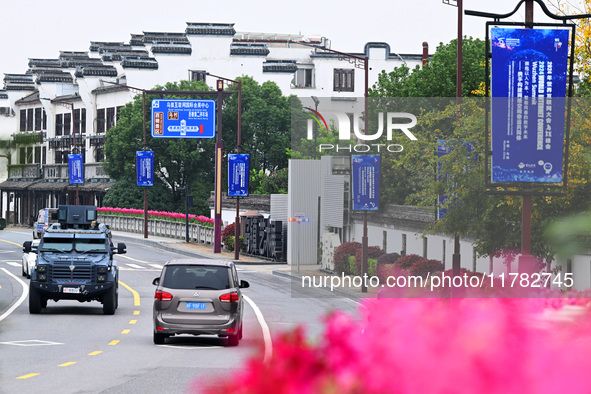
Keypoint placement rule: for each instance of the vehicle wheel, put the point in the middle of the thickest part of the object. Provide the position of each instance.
(43, 302)
(110, 301)
(35, 305)
(233, 340)
(23, 269)
(159, 338)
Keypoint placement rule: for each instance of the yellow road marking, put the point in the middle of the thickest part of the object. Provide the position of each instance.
(136, 312)
(67, 364)
(95, 353)
(132, 321)
(28, 376)
(136, 296)
(19, 245)
(114, 342)
(125, 331)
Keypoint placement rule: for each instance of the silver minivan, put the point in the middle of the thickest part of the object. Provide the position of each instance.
(198, 297)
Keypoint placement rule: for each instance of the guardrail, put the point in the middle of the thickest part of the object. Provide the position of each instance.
(160, 228)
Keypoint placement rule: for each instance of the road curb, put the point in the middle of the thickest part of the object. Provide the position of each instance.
(189, 253)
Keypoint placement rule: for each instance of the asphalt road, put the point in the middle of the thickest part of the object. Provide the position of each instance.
(72, 347)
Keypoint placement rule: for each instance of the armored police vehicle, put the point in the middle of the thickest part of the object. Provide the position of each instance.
(75, 261)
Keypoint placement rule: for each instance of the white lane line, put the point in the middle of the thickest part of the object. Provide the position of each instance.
(20, 300)
(264, 327)
(134, 266)
(130, 258)
(13, 264)
(156, 266)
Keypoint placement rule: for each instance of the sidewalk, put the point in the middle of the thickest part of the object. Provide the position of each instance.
(253, 263)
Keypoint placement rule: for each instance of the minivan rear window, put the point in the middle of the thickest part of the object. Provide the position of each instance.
(196, 277)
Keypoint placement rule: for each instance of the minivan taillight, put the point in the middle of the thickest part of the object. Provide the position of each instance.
(162, 296)
(229, 297)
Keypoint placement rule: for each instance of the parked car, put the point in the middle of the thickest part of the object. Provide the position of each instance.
(198, 297)
(45, 218)
(29, 258)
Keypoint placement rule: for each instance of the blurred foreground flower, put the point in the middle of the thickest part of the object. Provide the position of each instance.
(431, 346)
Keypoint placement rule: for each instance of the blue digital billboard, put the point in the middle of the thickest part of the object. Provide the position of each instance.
(365, 175)
(183, 118)
(238, 175)
(76, 168)
(145, 168)
(528, 86)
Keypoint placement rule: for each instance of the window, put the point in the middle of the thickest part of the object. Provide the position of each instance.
(344, 80)
(197, 75)
(67, 123)
(38, 118)
(37, 154)
(29, 155)
(100, 120)
(80, 120)
(22, 156)
(59, 124)
(30, 119)
(98, 154)
(23, 120)
(304, 78)
(110, 117)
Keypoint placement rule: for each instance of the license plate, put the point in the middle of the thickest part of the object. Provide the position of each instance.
(72, 290)
(195, 305)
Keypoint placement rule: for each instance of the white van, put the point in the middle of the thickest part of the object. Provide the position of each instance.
(44, 219)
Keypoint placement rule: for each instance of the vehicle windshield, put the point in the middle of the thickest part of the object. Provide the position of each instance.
(196, 277)
(57, 244)
(90, 245)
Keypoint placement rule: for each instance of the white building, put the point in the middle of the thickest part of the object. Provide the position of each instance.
(57, 101)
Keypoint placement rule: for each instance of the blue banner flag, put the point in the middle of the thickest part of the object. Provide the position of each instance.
(366, 182)
(76, 169)
(238, 175)
(528, 84)
(145, 168)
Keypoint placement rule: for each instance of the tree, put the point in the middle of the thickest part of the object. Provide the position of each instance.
(266, 124)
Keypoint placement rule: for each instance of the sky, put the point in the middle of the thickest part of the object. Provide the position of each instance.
(40, 29)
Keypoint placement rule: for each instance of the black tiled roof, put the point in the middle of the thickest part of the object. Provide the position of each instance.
(3, 94)
(139, 62)
(96, 70)
(28, 99)
(280, 66)
(154, 37)
(108, 89)
(136, 40)
(211, 29)
(96, 46)
(170, 47)
(47, 63)
(249, 49)
(19, 82)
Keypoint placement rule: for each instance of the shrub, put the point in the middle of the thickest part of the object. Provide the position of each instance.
(388, 258)
(229, 243)
(405, 262)
(228, 231)
(341, 253)
(423, 267)
(383, 271)
(373, 252)
(372, 265)
(350, 265)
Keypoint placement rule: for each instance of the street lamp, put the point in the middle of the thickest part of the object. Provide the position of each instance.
(73, 130)
(238, 146)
